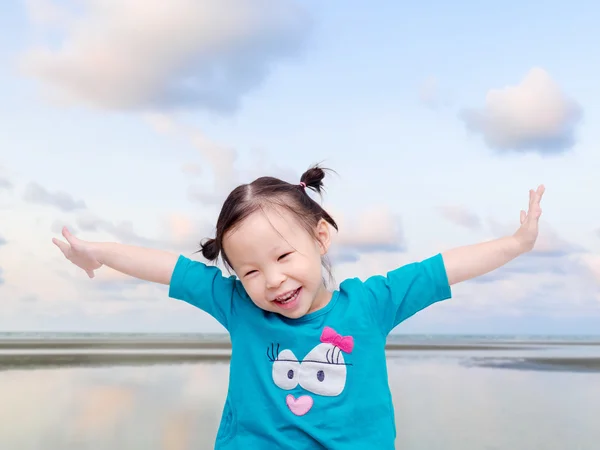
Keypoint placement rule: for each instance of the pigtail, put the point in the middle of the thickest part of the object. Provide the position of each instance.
(210, 249)
(313, 178)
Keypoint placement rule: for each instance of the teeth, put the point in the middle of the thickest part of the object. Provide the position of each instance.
(284, 297)
(288, 297)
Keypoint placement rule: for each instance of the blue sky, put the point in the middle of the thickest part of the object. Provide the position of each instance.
(132, 120)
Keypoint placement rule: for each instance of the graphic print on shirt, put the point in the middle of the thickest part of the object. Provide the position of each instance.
(321, 372)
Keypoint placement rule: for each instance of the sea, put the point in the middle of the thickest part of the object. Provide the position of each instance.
(92, 391)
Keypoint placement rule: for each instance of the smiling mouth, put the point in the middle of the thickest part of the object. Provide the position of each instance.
(288, 298)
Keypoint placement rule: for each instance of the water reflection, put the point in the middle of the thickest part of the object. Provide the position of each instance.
(154, 407)
(440, 404)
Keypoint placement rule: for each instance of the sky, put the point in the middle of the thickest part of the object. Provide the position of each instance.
(130, 121)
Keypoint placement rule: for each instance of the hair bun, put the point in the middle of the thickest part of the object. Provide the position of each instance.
(210, 249)
(313, 178)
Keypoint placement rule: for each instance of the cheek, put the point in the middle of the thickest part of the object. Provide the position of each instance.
(254, 290)
(312, 269)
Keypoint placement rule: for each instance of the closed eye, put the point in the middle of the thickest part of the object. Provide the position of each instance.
(283, 256)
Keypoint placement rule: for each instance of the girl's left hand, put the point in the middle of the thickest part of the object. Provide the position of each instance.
(527, 234)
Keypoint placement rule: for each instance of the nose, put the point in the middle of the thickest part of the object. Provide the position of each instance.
(274, 278)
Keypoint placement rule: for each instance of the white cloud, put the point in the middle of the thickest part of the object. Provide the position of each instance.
(219, 167)
(5, 183)
(221, 159)
(461, 216)
(549, 242)
(47, 13)
(192, 169)
(218, 159)
(161, 123)
(228, 175)
(375, 231)
(152, 54)
(182, 228)
(592, 264)
(34, 193)
(29, 298)
(529, 293)
(553, 257)
(533, 116)
(108, 285)
(123, 231)
(178, 232)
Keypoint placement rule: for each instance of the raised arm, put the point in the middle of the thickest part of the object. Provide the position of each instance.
(139, 262)
(464, 263)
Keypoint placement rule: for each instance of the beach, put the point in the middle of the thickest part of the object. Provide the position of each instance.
(166, 391)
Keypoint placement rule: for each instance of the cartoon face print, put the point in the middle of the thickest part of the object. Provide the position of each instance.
(322, 372)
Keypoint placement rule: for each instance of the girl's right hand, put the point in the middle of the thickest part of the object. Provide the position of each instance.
(79, 252)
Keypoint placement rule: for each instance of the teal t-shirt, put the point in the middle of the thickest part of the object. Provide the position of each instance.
(319, 381)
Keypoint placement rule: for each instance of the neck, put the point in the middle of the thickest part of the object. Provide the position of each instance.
(322, 299)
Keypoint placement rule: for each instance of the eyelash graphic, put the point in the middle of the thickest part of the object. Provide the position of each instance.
(273, 355)
(331, 354)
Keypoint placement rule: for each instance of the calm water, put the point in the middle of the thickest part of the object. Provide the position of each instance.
(444, 399)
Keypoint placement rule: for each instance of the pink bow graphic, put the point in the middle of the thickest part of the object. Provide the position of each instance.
(330, 336)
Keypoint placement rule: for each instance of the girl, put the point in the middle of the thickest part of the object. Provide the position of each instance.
(300, 350)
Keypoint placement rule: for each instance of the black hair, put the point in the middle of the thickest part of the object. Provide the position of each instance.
(270, 191)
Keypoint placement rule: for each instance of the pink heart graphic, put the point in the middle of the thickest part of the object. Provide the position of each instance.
(299, 406)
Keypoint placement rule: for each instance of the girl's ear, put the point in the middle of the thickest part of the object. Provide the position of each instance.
(323, 234)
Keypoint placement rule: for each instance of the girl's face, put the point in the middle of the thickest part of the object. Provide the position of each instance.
(278, 262)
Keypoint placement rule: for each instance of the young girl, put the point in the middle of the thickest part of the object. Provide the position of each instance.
(300, 350)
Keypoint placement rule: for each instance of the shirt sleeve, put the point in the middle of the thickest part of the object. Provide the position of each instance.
(204, 287)
(407, 290)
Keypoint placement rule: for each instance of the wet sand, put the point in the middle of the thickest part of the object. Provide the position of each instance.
(590, 364)
(95, 353)
(34, 353)
(37, 361)
(35, 344)
(14, 344)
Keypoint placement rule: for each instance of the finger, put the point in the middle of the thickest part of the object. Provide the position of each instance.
(532, 196)
(523, 216)
(63, 246)
(540, 192)
(537, 209)
(68, 236)
(90, 273)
